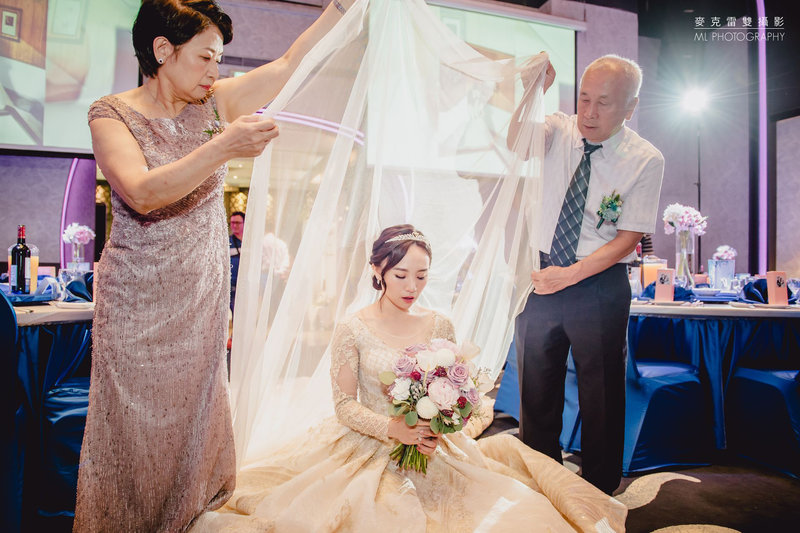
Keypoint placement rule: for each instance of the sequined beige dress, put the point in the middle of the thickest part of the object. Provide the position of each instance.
(338, 477)
(158, 446)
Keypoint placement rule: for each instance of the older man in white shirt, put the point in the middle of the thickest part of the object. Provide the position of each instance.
(581, 295)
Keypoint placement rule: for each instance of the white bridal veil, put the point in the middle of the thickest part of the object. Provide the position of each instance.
(390, 119)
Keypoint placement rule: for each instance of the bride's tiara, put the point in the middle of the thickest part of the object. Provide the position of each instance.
(413, 236)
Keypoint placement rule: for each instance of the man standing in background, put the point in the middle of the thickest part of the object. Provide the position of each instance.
(235, 241)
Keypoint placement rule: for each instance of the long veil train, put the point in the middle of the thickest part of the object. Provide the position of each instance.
(389, 119)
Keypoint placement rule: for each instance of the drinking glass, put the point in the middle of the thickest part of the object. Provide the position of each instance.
(737, 284)
(65, 275)
(794, 285)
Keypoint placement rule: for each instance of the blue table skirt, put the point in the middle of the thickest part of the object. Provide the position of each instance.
(46, 355)
(717, 346)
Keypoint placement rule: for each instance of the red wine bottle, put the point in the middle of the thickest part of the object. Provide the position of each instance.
(19, 277)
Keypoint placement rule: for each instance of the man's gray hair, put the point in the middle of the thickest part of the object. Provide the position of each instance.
(631, 71)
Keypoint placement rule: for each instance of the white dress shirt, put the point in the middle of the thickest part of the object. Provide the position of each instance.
(626, 164)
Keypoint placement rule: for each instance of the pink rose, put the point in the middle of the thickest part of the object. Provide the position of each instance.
(473, 396)
(403, 366)
(458, 374)
(443, 393)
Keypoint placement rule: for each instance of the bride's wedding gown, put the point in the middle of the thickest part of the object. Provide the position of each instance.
(339, 477)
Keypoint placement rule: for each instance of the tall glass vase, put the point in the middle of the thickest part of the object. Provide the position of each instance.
(78, 261)
(684, 259)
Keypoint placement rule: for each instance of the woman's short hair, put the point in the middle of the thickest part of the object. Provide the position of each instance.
(178, 21)
(394, 252)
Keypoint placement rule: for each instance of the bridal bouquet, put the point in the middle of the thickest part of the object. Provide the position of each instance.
(436, 382)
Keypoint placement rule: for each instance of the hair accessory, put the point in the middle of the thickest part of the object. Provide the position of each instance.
(413, 236)
(340, 7)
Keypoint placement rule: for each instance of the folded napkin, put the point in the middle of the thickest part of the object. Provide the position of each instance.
(48, 289)
(755, 292)
(681, 294)
(78, 289)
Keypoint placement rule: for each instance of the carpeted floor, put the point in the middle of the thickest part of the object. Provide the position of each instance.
(731, 495)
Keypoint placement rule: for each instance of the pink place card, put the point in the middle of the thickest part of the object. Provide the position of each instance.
(665, 291)
(777, 293)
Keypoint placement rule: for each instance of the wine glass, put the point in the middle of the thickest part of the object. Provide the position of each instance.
(794, 285)
(737, 284)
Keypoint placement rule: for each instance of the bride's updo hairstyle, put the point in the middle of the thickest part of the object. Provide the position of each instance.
(392, 246)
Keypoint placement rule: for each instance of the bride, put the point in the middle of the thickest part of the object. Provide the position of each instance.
(339, 476)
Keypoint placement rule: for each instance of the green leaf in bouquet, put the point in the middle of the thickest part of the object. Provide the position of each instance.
(465, 411)
(458, 427)
(411, 418)
(436, 425)
(387, 377)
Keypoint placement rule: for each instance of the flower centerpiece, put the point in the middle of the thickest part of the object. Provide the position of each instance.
(436, 382)
(725, 253)
(722, 267)
(79, 236)
(687, 223)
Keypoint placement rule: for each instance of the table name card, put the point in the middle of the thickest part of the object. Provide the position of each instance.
(777, 293)
(665, 291)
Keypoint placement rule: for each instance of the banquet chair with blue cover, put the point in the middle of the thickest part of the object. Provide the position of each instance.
(56, 383)
(570, 439)
(667, 417)
(11, 447)
(762, 409)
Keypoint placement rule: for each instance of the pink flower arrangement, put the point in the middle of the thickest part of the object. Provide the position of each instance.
(77, 234)
(725, 252)
(436, 382)
(680, 218)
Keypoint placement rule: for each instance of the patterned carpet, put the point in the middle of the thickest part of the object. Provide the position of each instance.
(729, 496)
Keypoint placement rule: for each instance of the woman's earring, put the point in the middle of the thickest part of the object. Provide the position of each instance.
(160, 60)
(380, 282)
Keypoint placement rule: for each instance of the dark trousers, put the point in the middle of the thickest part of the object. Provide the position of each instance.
(591, 317)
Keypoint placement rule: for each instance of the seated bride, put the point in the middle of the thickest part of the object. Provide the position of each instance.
(341, 475)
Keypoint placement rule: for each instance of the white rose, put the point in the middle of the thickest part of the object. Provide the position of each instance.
(445, 357)
(485, 383)
(426, 408)
(401, 391)
(426, 360)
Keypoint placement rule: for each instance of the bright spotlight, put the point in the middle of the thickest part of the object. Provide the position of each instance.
(695, 100)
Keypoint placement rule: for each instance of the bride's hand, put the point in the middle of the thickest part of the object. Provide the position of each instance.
(421, 434)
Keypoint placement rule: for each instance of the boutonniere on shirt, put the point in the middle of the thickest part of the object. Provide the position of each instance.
(610, 209)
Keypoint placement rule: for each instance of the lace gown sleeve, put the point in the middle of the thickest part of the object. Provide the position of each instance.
(344, 382)
(444, 329)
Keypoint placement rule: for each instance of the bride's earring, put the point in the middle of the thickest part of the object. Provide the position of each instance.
(380, 282)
